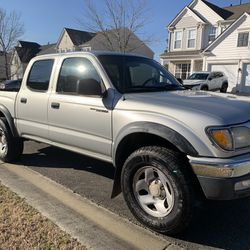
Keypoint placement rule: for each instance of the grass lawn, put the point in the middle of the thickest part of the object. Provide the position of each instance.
(23, 227)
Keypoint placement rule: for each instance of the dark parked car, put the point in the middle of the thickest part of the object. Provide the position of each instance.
(11, 85)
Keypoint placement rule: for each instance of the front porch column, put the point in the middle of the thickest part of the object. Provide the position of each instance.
(192, 67)
(204, 66)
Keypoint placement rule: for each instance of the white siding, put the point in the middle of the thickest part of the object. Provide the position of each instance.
(186, 21)
(226, 54)
(16, 67)
(65, 43)
(227, 49)
(206, 13)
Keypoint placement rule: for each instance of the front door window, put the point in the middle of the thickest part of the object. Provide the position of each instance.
(182, 70)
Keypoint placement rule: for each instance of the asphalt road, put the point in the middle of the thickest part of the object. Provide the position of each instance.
(223, 225)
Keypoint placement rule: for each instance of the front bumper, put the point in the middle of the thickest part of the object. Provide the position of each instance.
(223, 179)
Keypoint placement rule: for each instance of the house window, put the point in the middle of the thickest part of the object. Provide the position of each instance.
(182, 70)
(212, 34)
(178, 39)
(243, 39)
(191, 38)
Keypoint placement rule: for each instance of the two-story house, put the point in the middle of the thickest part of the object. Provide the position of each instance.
(23, 53)
(76, 40)
(111, 40)
(205, 37)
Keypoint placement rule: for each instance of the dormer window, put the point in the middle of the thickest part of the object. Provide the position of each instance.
(191, 38)
(243, 39)
(177, 39)
(212, 34)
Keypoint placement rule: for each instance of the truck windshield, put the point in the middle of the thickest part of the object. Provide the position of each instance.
(138, 74)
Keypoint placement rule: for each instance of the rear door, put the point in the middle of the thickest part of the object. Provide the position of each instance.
(78, 119)
(32, 101)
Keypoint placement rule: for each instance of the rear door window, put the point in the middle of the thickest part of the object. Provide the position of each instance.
(40, 74)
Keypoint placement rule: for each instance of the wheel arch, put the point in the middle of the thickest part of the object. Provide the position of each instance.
(145, 134)
(5, 113)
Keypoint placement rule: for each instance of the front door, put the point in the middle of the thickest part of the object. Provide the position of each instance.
(32, 101)
(77, 119)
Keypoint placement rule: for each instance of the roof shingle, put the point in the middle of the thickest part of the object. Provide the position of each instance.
(238, 10)
(79, 37)
(224, 13)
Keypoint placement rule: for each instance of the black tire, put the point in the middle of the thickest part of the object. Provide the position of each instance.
(224, 87)
(11, 148)
(174, 168)
(204, 88)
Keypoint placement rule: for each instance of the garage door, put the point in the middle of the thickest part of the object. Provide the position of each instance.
(230, 70)
(245, 84)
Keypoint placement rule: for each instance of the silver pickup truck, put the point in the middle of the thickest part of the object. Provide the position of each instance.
(170, 146)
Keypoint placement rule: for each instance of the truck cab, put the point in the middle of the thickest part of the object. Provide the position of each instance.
(170, 146)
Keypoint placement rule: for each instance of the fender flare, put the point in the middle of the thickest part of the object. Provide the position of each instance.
(156, 129)
(9, 119)
(180, 142)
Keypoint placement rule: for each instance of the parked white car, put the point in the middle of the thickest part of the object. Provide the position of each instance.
(207, 81)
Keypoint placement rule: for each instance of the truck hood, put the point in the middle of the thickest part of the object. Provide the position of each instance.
(192, 106)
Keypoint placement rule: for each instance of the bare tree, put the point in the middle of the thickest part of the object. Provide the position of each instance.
(11, 28)
(118, 23)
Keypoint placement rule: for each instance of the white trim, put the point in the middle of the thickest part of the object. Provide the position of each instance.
(195, 42)
(223, 34)
(243, 32)
(219, 17)
(182, 33)
(190, 11)
(188, 62)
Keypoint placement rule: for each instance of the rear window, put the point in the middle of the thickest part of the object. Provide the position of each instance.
(39, 76)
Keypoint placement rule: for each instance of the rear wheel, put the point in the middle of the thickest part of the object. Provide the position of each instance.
(156, 187)
(10, 147)
(224, 87)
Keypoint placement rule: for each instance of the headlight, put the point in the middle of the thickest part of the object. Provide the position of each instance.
(241, 137)
(231, 138)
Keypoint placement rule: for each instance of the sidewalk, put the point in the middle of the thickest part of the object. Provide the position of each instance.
(93, 226)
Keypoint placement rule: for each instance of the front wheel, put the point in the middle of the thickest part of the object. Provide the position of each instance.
(156, 189)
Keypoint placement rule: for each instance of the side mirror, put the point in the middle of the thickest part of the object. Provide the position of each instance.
(90, 87)
(180, 81)
(210, 78)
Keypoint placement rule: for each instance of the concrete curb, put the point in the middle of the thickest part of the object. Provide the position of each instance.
(95, 227)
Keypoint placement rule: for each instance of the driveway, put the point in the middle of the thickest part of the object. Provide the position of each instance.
(223, 225)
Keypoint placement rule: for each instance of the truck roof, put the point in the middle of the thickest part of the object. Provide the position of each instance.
(94, 53)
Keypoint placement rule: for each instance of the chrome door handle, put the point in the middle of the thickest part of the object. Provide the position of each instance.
(23, 100)
(55, 105)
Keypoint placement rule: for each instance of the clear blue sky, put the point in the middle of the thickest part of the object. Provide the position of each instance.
(44, 20)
